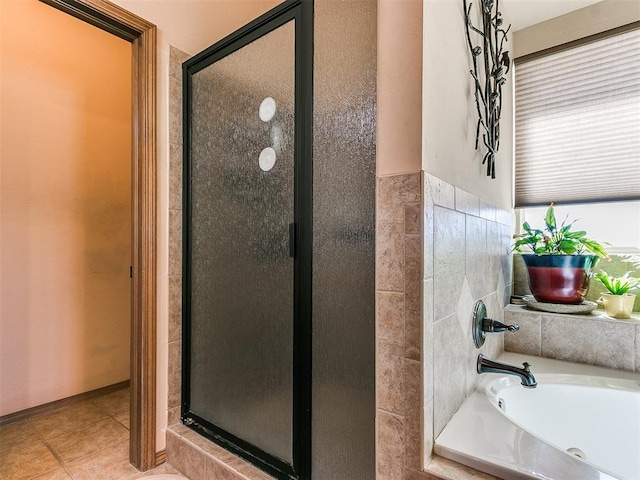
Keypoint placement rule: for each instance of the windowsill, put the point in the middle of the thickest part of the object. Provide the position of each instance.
(597, 313)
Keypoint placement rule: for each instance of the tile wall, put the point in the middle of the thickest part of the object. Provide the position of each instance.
(399, 327)
(593, 339)
(466, 244)
(176, 58)
(439, 249)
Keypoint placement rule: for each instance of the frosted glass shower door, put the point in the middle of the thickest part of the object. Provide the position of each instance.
(239, 243)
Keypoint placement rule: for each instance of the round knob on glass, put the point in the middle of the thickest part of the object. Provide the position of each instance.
(267, 109)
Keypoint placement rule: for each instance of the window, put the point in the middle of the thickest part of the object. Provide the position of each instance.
(577, 123)
(617, 224)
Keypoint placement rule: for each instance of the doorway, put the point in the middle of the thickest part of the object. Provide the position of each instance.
(142, 36)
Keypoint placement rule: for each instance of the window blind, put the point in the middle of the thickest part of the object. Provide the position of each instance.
(577, 124)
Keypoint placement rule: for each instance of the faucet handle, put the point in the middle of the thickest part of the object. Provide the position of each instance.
(494, 326)
(481, 324)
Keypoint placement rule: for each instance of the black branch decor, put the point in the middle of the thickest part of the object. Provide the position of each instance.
(489, 76)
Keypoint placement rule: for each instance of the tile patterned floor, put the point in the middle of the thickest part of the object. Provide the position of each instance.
(84, 441)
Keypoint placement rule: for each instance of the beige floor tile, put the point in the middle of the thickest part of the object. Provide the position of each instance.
(92, 438)
(27, 462)
(114, 403)
(67, 419)
(17, 436)
(59, 474)
(111, 463)
(123, 418)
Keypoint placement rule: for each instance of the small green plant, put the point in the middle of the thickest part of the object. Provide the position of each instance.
(557, 240)
(618, 285)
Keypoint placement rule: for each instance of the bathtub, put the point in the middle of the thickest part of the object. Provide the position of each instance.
(581, 423)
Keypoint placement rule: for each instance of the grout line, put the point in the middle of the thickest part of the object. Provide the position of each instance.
(125, 426)
(102, 410)
(399, 416)
(389, 291)
(49, 447)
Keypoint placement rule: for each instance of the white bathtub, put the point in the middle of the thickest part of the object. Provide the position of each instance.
(517, 433)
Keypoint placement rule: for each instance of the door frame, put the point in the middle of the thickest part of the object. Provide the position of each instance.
(142, 36)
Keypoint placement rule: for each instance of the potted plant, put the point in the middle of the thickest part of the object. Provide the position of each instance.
(618, 303)
(560, 262)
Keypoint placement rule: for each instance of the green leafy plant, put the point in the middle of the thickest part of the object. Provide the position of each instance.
(618, 285)
(557, 240)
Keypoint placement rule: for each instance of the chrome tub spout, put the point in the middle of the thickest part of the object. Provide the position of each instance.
(486, 365)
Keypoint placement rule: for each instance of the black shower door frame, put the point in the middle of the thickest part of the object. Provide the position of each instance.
(301, 11)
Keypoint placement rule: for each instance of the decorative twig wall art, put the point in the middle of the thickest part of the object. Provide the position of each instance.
(488, 76)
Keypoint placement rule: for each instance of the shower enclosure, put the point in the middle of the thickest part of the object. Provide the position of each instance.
(279, 202)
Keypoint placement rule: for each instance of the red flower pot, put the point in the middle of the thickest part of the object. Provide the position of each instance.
(559, 278)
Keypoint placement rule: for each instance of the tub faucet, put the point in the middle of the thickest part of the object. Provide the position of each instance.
(486, 365)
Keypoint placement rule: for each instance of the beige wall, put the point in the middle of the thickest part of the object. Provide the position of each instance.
(191, 26)
(581, 23)
(449, 111)
(65, 199)
(399, 87)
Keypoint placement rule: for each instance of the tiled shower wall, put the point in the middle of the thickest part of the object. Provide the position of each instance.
(466, 245)
(176, 58)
